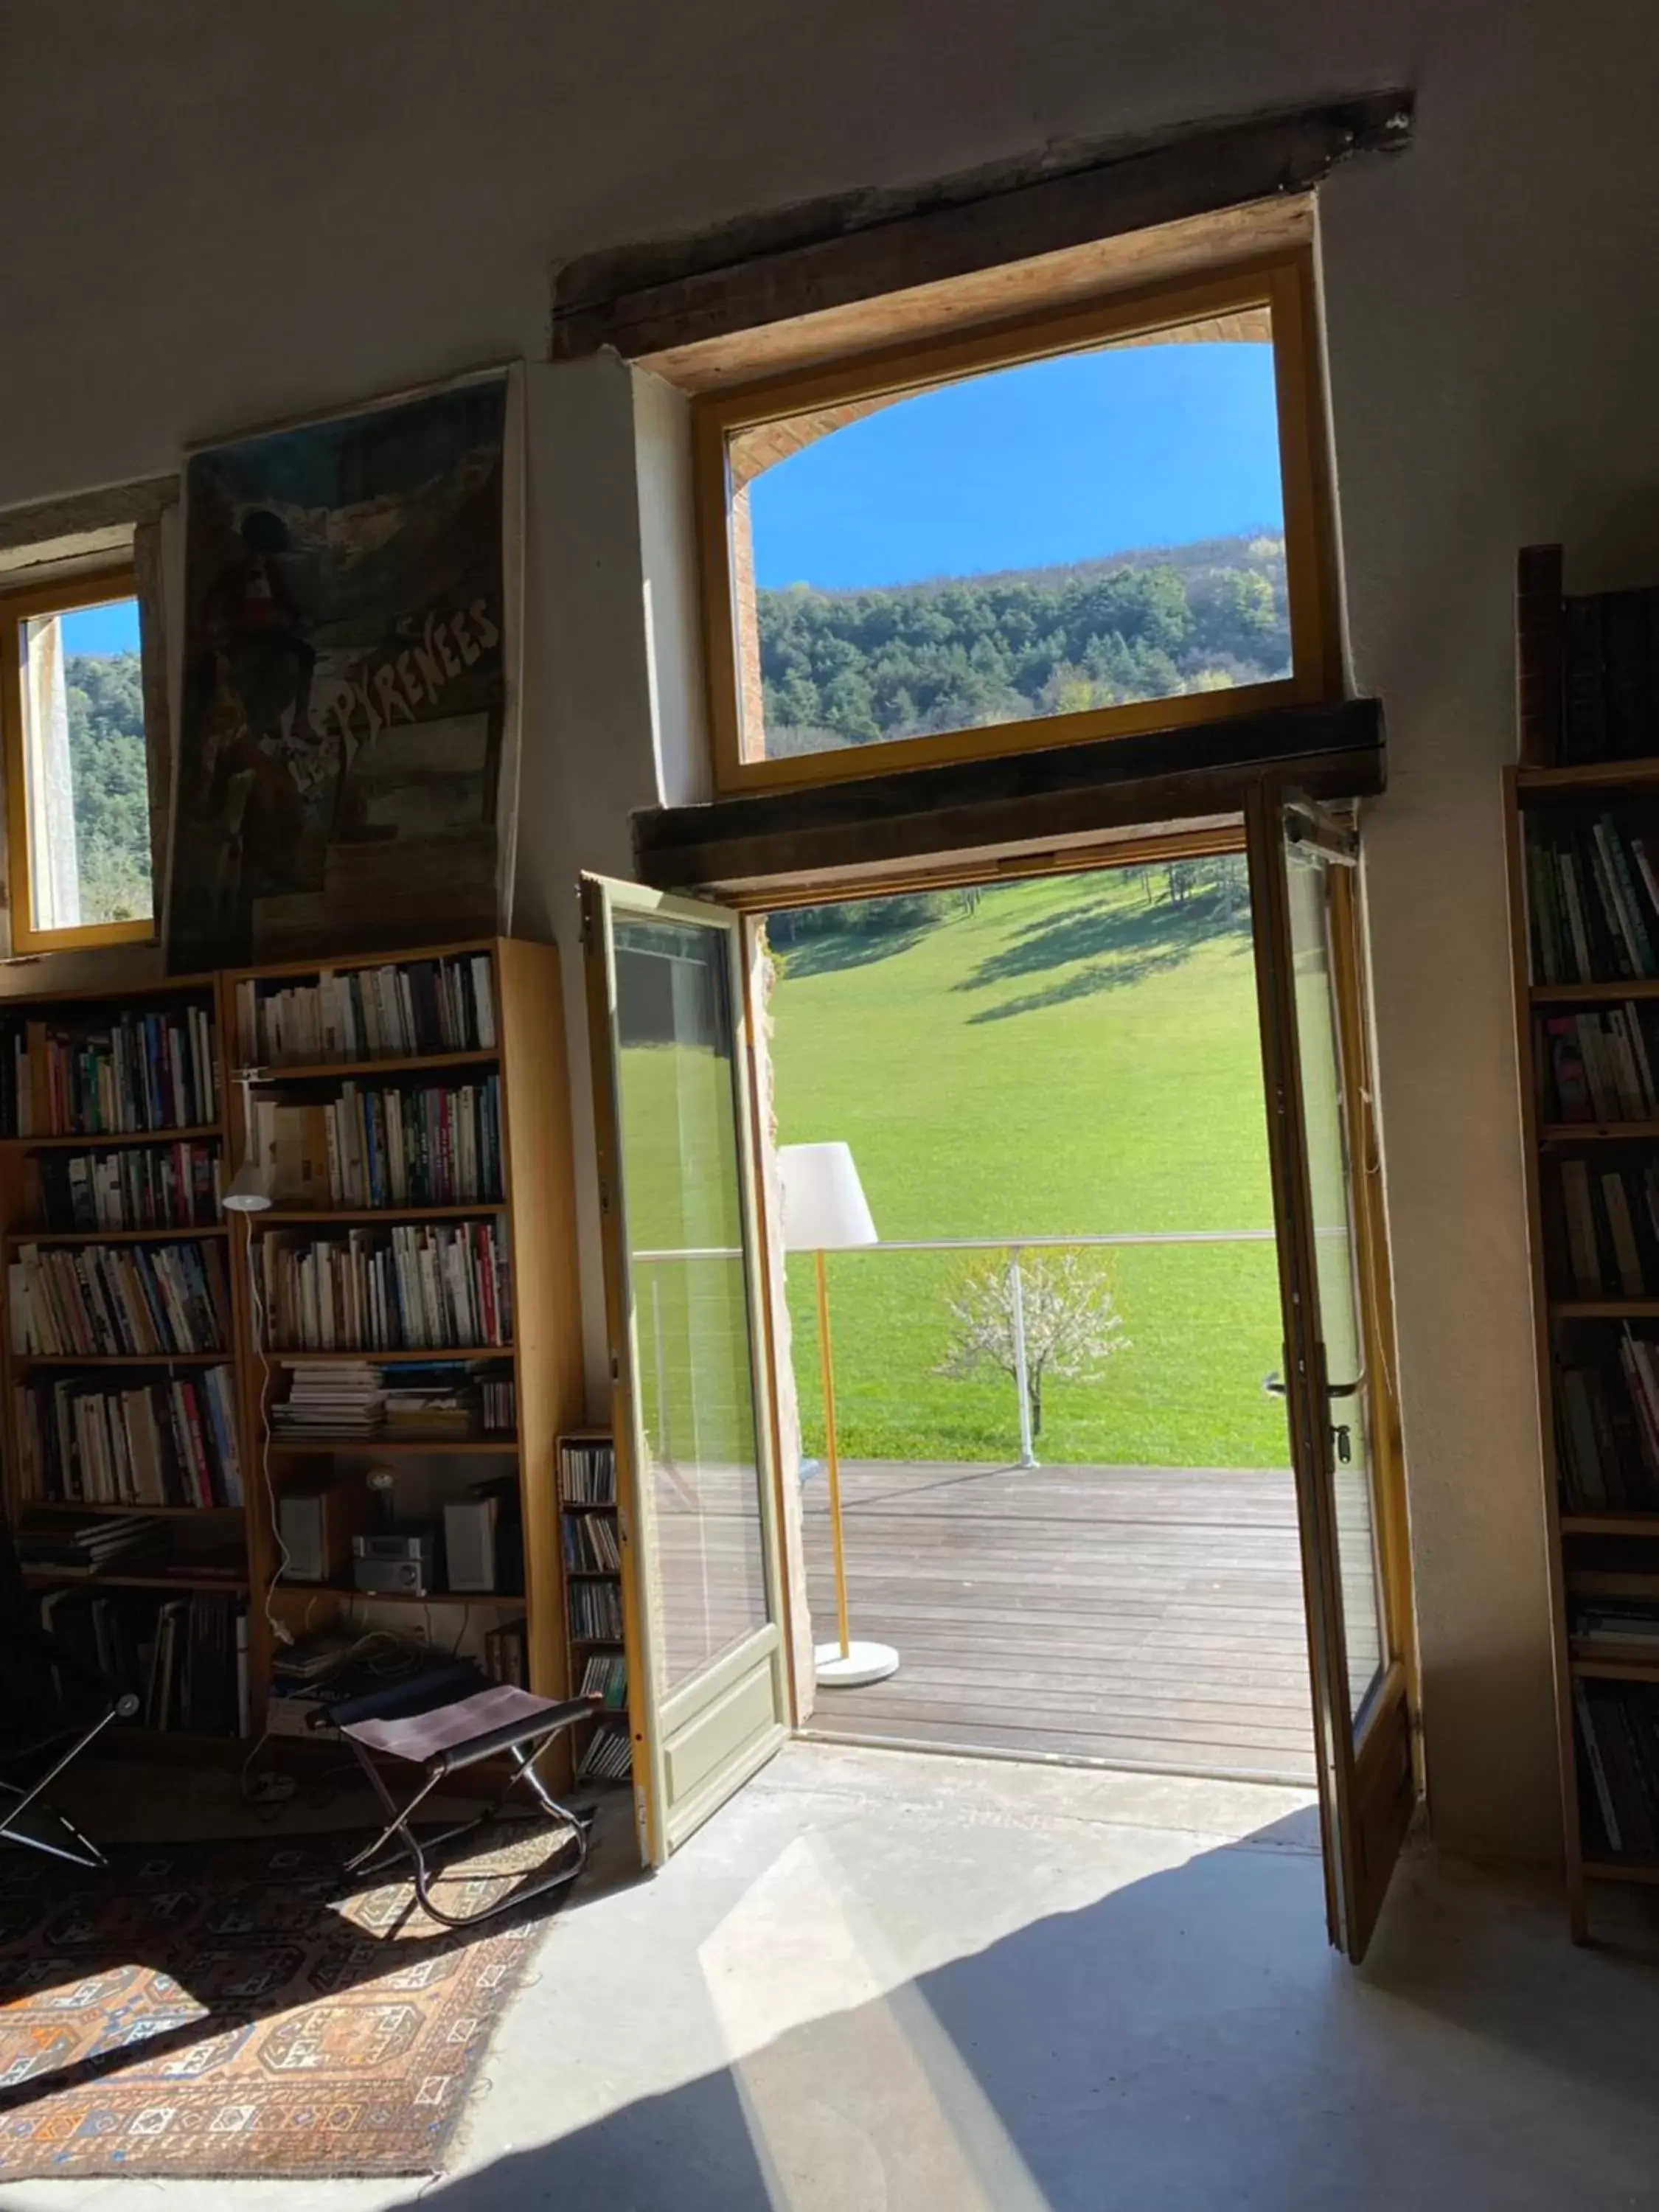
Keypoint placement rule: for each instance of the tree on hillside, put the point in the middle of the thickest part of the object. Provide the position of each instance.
(1071, 1322)
(109, 774)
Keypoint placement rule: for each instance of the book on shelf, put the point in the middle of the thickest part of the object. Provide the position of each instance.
(507, 1654)
(89, 1440)
(413, 1285)
(1609, 1243)
(1607, 1426)
(1624, 1622)
(1599, 1066)
(139, 1187)
(97, 1073)
(1609, 677)
(398, 1011)
(1592, 899)
(605, 1677)
(596, 1613)
(184, 1658)
(607, 1758)
(590, 1543)
(388, 1145)
(1619, 1742)
(587, 1470)
(110, 1300)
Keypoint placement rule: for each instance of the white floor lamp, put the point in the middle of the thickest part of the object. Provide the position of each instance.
(824, 1210)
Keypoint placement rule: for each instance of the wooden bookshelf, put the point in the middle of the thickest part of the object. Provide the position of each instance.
(614, 1724)
(535, 1213)
(1582, 913)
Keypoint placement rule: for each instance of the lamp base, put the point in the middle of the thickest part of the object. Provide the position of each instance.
(860, 1664)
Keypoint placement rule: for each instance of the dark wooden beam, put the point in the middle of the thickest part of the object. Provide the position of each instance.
(1062, 794)
(858, 245)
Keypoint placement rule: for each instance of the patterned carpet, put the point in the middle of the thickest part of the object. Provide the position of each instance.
(235, 2009)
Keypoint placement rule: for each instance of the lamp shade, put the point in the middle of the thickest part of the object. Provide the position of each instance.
(825, 1209)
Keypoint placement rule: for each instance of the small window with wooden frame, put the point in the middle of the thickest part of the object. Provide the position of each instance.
(1085, 525)
(76, 765)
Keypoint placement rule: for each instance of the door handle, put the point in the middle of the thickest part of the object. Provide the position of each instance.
(1274, 1385)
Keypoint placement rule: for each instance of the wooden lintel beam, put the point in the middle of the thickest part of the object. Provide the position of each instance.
(1062, 794)
(858, 245)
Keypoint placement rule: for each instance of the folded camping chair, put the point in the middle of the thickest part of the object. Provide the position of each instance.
(440, 1724)
(52, 1705)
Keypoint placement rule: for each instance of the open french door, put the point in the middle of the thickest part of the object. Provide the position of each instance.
(708, 1694)
(1338, 1375)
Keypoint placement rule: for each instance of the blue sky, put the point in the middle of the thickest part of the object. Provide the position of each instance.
(111, 629)
(1055, 460)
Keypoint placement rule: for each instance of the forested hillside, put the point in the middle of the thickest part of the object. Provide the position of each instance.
(112, 805)
(844, 667)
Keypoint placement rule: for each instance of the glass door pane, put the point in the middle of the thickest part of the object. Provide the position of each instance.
(1330, 1157)
(676, 1070)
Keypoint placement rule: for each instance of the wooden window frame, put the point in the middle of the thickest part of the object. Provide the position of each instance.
(1284, 283)
(17, 609)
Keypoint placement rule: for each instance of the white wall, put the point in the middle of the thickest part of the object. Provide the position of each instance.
(220, 214)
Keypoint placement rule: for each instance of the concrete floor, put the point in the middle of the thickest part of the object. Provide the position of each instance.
(881, 1981)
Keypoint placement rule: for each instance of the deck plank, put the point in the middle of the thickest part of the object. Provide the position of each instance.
(1142, 1616)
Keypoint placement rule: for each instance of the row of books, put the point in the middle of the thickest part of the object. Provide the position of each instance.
(590, 1543)
(140, 1186)
(596, 1613)
(394, 1144)
(605, 1677)
(395, 1012)
(146, 1442)
(1610, 676)
(184, 1658)
(609, 1757)
(1610, 1432)
(1612, 1222)
(588, 1471)
(1626, 1623)
(105, 1300)
(1619, 1732)
(1598, 1067)
(507, 1654)
(354, 1398)
(1594, 896)
(375, 1290)
(103, 1072)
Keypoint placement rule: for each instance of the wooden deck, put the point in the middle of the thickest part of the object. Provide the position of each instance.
(1148, 1617)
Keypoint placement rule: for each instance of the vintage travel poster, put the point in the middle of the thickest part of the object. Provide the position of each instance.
(345, 732)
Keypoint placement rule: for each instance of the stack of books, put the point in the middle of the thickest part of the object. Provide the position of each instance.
(395, 1012)
(331, 1398)
(393, 1145)
(1598, 1067)
(99, 1074)
(588, 1471)
(1618, 1728)
(1593, 898)
(153, 1443)
(440, 1399)
(1627, 1622)
(102, 1300)
(80, 1549)
(140, 1186)
(415, 1285)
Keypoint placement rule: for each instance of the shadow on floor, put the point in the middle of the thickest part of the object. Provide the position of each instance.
(1185, 2042)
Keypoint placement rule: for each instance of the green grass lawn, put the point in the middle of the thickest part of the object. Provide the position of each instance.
(1069, 1056)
